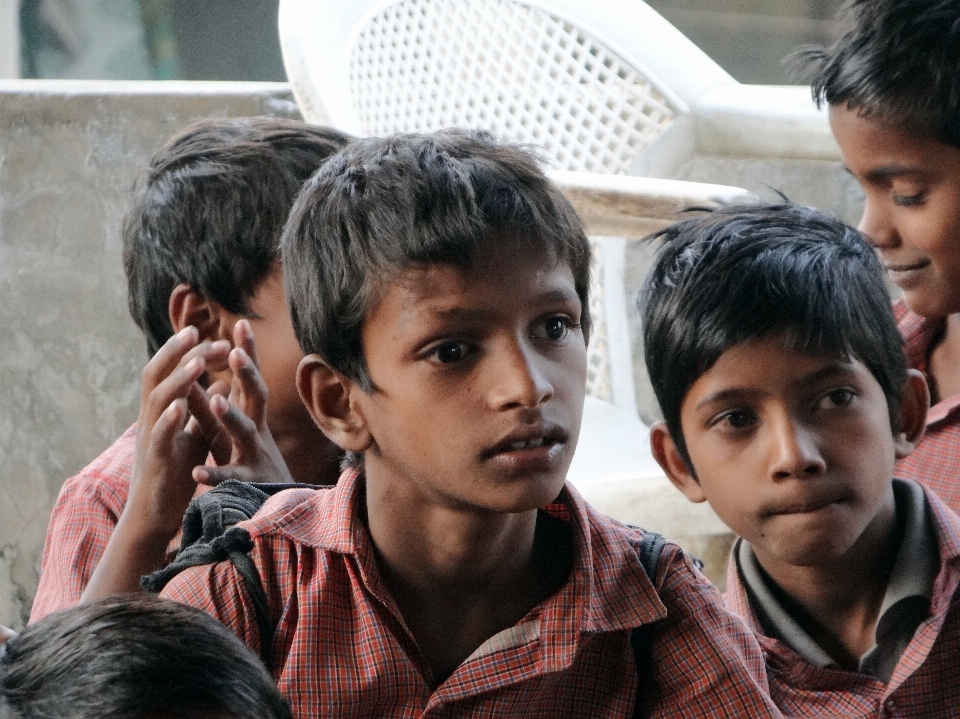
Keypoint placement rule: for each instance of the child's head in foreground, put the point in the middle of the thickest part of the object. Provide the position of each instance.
(440, 282)
(892, 81)
(132, 658)
(774, 354)
(201, 239)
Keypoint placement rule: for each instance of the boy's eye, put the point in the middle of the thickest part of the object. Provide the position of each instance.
(555, 328)
(738, 420)
(450, 352)
(908, 200)
(735, 419)
(837, 398)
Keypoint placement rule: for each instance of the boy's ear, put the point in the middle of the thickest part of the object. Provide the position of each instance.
(913, 413)
(328, 396)
(668, 456)
(188, 307)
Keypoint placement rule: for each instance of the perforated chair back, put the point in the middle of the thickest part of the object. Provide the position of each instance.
(514, 69)
(590, 82)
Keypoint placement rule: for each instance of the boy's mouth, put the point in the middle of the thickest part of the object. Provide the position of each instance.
(903, 272)
(543, 439)
(803, 506)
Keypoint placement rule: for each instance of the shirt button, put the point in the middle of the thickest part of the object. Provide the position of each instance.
(891, 706)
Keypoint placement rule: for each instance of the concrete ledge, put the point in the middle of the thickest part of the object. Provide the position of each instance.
(70, 358)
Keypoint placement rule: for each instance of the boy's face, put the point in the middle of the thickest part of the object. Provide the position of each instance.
(912, 210)
(794, 453)
(479, 377)
(278, 354)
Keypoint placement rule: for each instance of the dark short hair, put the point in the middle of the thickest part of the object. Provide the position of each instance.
(384, 205)
(209, 209)
(124, 657)
(897, 61)
(744, 272)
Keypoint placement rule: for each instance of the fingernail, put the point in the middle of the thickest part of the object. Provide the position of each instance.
(185, 333)
(219, 403)
(200, 474)
(194, 364)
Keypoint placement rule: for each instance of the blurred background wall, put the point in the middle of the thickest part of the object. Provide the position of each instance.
(237, 39)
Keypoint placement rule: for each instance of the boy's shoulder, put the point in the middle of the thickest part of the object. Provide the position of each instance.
(801, 685)
(107, 476)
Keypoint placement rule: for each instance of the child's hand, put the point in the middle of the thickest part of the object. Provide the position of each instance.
(255, 456)
(175, 431)
(170, 442)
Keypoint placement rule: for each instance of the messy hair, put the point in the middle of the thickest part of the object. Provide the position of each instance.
(897, 61)
(209, 209)
(385, 205)
(125, 657)
(740, 273)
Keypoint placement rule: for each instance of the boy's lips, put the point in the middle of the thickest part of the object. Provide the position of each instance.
(528, 447)
(804, 505)
(901, 273)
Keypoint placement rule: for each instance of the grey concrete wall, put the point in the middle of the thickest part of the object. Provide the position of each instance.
(70, 355)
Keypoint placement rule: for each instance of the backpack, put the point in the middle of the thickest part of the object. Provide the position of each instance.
(210, 536)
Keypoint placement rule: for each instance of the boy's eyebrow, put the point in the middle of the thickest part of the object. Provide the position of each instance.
(551, 296)
(885, 172)
(838, 367)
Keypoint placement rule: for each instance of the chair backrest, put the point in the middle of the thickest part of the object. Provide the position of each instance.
(591, 82)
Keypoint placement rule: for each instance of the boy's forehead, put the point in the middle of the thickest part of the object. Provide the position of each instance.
(879, 146)
(493, 280)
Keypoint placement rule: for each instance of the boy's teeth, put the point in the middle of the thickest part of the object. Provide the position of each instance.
(532, 443)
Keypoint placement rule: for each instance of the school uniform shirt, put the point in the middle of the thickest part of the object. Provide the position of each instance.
(341, 647)
(936, 460)
(913, 670)
(82, 522)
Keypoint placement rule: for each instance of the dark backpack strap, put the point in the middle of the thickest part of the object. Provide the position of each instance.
(210, 536)
(641, 638)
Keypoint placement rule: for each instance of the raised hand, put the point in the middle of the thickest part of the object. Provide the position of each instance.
(175, 431)
(255, 456)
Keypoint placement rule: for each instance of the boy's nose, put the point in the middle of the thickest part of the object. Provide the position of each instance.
(795, 452)
(875, 224)
(519, 381)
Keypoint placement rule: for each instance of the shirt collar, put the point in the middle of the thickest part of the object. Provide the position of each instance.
(918, 334)
(608, 588)
(914, 572)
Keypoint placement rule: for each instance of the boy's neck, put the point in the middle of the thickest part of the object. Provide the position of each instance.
(944, 362)
(838, 603)
(310, 456)
(461, 575)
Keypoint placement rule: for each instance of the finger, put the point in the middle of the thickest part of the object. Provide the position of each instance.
(221, 387)
(249, 390)
(169, 423)
(242, 429)
(243, 338)
(212, 476)
(176, 386)
(214, 354)
(207, 423)
(166, 359)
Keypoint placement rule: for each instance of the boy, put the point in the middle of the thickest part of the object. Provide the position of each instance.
(133, 658)
(892, 82)
(201, 259)
(438, 285)
(775, 357)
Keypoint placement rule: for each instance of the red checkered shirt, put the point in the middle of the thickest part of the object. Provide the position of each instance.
(936, 460)
(341, 647)
(82, 521)
(926, 679)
